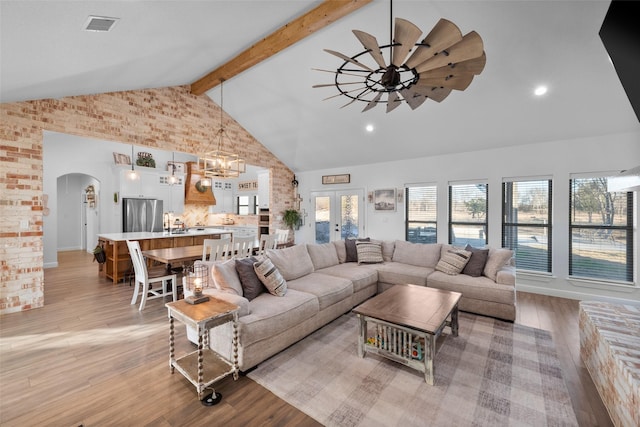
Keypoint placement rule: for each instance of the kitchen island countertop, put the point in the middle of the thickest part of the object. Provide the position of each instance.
(120, 237)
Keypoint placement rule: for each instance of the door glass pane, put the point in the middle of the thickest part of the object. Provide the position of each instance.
(349, 216)
(322, 218)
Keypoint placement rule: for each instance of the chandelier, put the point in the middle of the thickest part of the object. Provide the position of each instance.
(416, 71)
(219, 163)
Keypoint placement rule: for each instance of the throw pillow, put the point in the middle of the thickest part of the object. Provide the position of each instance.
(350, 247)
(271, 277)
(224, 276)
(251, 284)
(453, 261)
(369, 252)
(476, 263)
(323, 255)
(497, 259)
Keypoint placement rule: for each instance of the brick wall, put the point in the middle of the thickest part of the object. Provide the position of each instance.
(166, 118)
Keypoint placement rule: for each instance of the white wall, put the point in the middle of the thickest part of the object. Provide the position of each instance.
(68, 154)
(556, 160)
(70, 192)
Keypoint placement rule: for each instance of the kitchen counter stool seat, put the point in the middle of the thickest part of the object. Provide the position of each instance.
(149, 285)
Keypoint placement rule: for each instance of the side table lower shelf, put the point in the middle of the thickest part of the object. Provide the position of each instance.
(214, 366)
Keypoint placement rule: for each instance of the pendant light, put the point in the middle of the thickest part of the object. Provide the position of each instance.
(133, 174)
(173, 179)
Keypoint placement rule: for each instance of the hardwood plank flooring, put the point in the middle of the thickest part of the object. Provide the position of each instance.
(90, 358)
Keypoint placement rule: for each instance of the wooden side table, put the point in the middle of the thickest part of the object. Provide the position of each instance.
(204, 366)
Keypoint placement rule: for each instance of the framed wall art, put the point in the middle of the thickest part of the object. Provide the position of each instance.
(345, 178)
(384, 200)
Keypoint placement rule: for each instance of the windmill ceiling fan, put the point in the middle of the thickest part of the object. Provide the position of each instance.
(444, 60)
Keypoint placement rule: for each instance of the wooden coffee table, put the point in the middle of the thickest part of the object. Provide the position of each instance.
(407, 320)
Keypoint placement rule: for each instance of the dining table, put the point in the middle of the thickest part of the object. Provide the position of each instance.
(171, 256)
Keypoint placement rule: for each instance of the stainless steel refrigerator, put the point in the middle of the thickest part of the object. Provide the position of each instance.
(141, 215)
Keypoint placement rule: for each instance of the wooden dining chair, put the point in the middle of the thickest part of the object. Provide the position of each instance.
(267, 241)
(149, 285)
(216, 249)
(242, 247)
(282, 236)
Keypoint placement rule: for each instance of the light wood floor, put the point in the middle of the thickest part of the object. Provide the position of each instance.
(89, 357)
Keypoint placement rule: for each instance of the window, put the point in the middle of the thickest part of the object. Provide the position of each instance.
(243, 205)
(421, 224)
(600, 231)
(468, 214)
(526, 223)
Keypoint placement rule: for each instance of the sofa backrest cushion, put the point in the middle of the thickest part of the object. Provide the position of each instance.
(323, 255)
(498, 258)
(418, 254)
(292, 262)
(223, 275)
(341, 250)
(388, 246)
(251, 284)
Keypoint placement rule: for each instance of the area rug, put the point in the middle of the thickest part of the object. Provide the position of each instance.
(493, 374)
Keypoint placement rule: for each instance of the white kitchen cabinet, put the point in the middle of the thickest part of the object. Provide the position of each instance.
(147, 185)
(263, 189)
(223, 192)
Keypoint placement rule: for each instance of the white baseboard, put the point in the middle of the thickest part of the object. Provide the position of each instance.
(50, 264)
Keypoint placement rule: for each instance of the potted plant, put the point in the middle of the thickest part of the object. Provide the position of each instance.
(292, 218)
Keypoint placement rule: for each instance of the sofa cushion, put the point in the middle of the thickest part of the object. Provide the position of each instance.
(475, 266)
(341, 250)
(328, 289)
(360, 276)
(251, 284)
(224, 275)
(323, 255)
(292, 262)
(388, 246)
(271, 315)
(397, 273)
(229, 296)
(270, 277)
(453, 261)
(350, 247)
(419, 254)
(498, 258)
(479, 288)
(369, 252)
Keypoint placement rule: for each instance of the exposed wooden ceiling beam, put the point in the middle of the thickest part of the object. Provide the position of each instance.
(319, 17)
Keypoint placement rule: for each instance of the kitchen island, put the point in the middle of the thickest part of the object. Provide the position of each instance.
(118, 261)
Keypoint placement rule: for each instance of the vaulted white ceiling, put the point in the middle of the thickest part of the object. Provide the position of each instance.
(45, 53)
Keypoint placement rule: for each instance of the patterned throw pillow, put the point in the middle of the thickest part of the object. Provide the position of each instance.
(270, 277)
(369, 252)
(453, 261)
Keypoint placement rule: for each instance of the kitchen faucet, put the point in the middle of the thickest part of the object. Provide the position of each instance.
(167, 222)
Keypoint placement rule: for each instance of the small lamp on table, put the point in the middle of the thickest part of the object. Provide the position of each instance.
(195, 280)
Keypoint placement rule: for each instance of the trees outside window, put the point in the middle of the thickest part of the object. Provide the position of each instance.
(422, 214)
(601, 231)
(468, 214)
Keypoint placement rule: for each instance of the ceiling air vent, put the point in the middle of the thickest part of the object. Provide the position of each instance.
(100, 23)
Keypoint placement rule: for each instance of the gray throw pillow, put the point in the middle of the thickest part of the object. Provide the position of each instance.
(251, 284)
(350, 246)
(475, 265)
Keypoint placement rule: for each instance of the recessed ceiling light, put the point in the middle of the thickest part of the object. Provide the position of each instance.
(369, 128)
(540, 90)
(100, 24)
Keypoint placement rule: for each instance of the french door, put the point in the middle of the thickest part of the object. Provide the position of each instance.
(337, 214)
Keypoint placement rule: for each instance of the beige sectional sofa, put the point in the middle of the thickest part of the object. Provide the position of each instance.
(321, 286)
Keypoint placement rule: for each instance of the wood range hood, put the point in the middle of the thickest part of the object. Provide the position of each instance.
(192, 194)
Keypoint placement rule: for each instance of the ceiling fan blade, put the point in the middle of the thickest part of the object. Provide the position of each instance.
(373, 102)
(393, 101)
(342, 93)
(371, 44)
(455, 82)
(407, 34)
(414, 99)
(334, 84)
(338, 72)
(346, 58)
(472, 66)
(468, 48)
(438, 94)
(444, 34)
